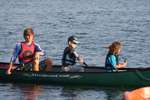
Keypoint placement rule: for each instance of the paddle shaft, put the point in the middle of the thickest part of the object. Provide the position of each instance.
(85, 64)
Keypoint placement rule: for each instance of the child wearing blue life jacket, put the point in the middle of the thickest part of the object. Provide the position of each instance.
(112, 58)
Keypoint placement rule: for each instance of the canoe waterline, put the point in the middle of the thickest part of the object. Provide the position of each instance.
(93, 76)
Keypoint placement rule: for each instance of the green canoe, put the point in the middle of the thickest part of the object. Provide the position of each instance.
(93, 76)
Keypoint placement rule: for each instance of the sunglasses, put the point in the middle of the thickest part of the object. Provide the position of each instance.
(74, 42)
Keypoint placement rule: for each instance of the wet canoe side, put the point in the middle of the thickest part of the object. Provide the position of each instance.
(122, 78)
(83, 78)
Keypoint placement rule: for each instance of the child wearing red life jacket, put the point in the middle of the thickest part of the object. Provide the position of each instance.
(28, 53)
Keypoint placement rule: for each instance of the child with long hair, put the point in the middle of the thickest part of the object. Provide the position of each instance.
(112, 58)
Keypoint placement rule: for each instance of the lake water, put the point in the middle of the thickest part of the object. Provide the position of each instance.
(96, 23)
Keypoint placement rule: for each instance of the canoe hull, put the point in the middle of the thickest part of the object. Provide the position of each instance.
(122, 78)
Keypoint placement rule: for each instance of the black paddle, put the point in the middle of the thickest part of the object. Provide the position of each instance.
(84, 63)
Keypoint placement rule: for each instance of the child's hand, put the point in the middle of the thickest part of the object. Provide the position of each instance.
(8, 72)
(81, 60)
(125, 62)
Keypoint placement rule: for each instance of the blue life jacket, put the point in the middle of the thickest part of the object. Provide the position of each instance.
(108, 65)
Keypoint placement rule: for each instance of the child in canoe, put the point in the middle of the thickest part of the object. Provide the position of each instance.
(71, 57)
(112, 58)
(28, 53)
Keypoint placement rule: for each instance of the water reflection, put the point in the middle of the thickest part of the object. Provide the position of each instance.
(48, 92)
(30, 92)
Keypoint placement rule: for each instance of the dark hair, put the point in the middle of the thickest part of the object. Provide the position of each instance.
(26, 31)
(72, 39)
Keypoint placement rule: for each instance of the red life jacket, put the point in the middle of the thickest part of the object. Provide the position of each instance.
(27, 52)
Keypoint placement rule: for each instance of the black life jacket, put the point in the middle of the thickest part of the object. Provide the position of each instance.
(69, 57)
